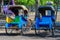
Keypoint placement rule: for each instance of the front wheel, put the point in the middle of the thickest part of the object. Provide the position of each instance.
(35, 31)
(8, 31)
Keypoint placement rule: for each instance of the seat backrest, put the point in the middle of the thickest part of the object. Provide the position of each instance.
(9, 20)
(46, 19)
(17, 18)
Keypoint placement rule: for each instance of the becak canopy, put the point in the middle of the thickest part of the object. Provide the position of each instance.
(44, 8)
(15, 8)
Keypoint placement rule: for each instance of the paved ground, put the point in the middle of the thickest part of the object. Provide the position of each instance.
(27, 37)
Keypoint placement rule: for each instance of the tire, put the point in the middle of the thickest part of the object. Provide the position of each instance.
(7, 31)
(22, 29)
(53, 31)
(35, 31)
(53, 28)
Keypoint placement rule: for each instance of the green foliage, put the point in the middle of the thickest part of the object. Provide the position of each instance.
(31, 2)
(25, 2)
(43, 2)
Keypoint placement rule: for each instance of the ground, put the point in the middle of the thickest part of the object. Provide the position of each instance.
(28, 37)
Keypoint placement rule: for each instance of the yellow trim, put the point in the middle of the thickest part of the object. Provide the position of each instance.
(8, 20)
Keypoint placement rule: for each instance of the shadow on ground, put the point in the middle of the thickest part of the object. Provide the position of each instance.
(42, 35)
(29, 35)
(12, 34)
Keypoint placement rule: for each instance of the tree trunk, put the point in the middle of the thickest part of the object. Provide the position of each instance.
(2, 6)
(36, 8)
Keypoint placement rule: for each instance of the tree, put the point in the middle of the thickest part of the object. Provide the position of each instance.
(25, 2)
(31, 2)
(36, 7)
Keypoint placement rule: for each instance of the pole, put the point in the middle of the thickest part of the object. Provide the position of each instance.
(56, 6)
(36, 8)
(2, 6)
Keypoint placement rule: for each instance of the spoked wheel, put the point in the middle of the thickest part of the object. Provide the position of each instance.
(8, 31)
(33, 26)
(25, 29)
(35, 31)
(53, 31)
(22, 30)
(53, 28)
